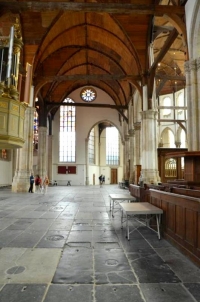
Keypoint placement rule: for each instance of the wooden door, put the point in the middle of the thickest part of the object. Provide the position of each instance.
(113, 178)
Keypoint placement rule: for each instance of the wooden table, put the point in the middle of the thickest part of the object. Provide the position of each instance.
(130, 210)
(115, 199)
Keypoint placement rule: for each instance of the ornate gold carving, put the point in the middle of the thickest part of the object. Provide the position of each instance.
(4, 42)
(15, 108)
(17, 27)
(3, 104)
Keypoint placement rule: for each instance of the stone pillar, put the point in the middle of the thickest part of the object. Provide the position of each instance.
(149, 147)
(24, 156)
(192, 71)
(50, 157)
(194, 102)
(137, 150)
(132, 169)
(42, 151)
(87, 162)
(126, 158)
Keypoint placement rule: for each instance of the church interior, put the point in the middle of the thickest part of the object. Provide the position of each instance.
(92, 88)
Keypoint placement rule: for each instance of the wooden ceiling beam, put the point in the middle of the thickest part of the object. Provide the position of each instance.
(94, 77)
(111, 8)
(171, 38)
(170, 77)
(85, 104)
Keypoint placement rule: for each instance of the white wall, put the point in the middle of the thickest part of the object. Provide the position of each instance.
(6, 172)
(86, 119)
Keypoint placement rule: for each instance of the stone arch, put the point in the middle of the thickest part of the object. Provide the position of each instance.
(165, 137)
(178, 137)
(107, 121)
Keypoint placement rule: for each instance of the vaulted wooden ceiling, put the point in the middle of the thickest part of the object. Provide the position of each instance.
(102, 43)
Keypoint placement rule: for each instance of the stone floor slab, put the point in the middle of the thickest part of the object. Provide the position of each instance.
(152, 269)
(75, 266)
(112, 266)
(72, 293)
(118, 293)
(22, 293)
(165, 293)
(39, 264)
(194, 289)
(53, 239)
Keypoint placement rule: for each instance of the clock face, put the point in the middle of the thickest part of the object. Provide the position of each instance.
(88, 94)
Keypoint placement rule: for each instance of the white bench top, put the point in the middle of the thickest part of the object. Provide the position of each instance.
(140, 208)
(121, 197)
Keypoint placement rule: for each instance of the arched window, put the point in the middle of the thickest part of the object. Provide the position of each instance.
(168, 138)
(166, 103)
(112, 146)
(67, 132)
(91, 147)
(35, 131)
(170, 168)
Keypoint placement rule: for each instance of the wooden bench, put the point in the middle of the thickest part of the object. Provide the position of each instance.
(180, 221)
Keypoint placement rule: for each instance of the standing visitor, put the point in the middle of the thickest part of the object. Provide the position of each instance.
(32, 180)
(100, 180)
(45, 184)
(38, 184)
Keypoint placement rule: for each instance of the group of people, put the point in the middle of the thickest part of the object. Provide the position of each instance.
(41, 185)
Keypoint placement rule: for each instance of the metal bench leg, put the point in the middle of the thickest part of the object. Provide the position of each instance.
(158, 225)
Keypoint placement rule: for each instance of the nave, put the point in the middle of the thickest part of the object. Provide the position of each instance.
(65, 246)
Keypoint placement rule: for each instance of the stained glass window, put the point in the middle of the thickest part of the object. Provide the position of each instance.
(88, 94)
(112, 146)
(35, 131)
(67, 132)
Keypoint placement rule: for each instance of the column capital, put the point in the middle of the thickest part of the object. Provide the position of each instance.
(131, 132)
(198, 63)
(149, 114)
(126, 137)
(137, 126)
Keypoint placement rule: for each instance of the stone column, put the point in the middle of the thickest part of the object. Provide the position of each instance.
(192, 71)
(137, 149)
(24, 156)
(42, 151)
(149, 147)
(126, 158)
(132, 169)
(189, 104)
(194, 103)
(50, 157)
(86, 162)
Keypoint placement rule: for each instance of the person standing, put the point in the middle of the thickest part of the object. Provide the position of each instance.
(38, 184)
(45, 184)
(100, 180)
(32, 180)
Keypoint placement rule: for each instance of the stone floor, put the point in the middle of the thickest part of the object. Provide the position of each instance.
(65, 246)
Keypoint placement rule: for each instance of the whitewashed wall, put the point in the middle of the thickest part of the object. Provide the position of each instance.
(86, 119)
(6, 172)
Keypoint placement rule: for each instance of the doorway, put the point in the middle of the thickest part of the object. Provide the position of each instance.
(114, 177)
